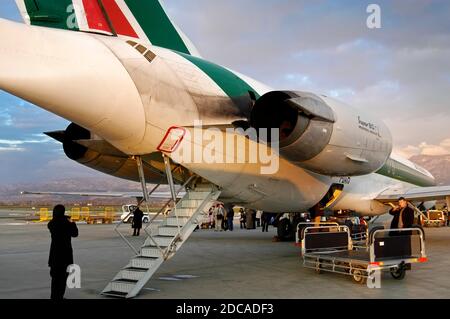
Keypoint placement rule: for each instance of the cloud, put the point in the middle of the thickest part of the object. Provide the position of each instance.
(11, 149)
(443, 148)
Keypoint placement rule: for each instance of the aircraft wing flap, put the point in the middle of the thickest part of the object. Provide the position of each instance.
(422, 194)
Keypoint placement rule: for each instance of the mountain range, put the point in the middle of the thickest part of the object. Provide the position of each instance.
(439, 166)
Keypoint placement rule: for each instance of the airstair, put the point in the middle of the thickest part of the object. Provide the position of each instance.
(164, 238)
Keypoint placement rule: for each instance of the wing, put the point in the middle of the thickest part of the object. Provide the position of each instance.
(155, 195)
(422, 194)
(145, 20)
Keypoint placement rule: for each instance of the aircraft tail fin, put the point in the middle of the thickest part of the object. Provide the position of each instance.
(145, 20)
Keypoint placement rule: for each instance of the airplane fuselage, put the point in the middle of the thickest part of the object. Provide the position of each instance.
(130, 94)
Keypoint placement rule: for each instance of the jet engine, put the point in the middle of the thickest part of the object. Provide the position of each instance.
(323, 135)
(82, 146)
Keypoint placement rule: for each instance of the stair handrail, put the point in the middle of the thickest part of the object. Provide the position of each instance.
(176, 238)
(122, 221)
(150, 236)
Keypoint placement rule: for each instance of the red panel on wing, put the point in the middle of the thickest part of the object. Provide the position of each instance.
(118, 19)
(94, 15)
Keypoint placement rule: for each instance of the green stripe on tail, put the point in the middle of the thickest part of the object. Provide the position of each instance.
(157, 25)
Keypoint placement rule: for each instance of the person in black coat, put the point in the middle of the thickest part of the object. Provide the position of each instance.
(61, 254)
(230, 217)
(265, 220)
(138, 215)
(403, 215)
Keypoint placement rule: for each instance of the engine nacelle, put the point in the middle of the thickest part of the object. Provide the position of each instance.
(81, 146)
(324, 135)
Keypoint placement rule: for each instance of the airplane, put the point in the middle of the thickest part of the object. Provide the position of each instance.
(135, 88)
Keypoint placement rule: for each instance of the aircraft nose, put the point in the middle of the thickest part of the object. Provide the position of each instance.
(73, 75)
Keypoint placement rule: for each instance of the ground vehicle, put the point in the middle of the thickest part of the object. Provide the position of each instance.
(330, 249)
(436, 218)
(127, 215)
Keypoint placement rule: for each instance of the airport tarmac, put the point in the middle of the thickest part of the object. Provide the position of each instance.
(219, 265)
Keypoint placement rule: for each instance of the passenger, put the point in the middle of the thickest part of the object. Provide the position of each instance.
(224, 219)
(258, 218)
(242, 220)
(403, 215)
(218, 217)
(211, 218)
(265, 219)
(249, 217)
(61, 254)
(230, 217)
(138, 215)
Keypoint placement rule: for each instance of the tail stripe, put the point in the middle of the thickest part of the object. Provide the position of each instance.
(157, 25)
(119, 21)
(95, 18)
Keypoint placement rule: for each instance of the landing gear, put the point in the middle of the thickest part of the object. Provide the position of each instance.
(284, 229)
(398, 273)
(287, 225)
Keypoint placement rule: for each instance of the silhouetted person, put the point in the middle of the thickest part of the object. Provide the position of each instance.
(230, 217)
(61, 254)
(138, 215)
(242, 220)
(265, 220)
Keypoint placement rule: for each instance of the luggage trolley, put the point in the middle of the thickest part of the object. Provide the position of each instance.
(330, 249)
(299, 234)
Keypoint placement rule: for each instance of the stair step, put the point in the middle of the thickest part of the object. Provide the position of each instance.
(143, 262)
(151, 251)
(191, 203)
(162, 241)
(183, 212)
(204, 188)
(132, 274)
(115, 294)
(198, 195)
(173, 221)
(122, 285)
(168, 231)
(131, 279)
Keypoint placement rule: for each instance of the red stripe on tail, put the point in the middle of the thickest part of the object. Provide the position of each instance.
(94, 15)
(118, 19)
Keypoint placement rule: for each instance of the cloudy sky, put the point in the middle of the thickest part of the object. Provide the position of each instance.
(401, 71)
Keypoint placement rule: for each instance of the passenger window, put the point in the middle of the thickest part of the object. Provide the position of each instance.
(141, 49)
(150, 56)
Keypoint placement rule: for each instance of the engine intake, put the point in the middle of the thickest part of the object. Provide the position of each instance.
(323, 135)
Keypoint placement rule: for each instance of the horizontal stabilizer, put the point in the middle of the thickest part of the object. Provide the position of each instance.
(57, 135)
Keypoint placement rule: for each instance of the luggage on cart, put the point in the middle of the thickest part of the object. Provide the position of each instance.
(330, 249)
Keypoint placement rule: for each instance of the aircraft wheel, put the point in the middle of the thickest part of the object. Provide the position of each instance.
(398, 273)
(284, 229)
